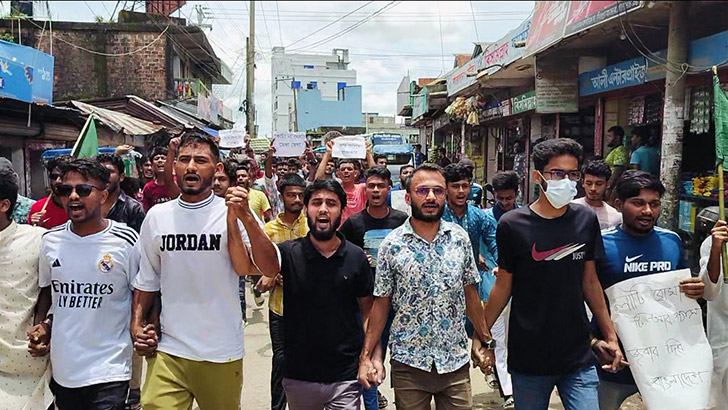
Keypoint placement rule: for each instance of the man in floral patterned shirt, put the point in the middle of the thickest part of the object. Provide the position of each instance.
(427, 270)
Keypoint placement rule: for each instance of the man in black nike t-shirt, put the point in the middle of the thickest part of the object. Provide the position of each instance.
(546, 255)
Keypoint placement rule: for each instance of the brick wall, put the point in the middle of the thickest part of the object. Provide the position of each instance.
(82, 75)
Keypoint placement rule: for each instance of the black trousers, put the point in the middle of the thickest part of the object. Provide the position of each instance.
(277, 394)
(103, 396)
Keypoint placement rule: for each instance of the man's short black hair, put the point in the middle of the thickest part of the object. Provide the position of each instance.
(195, 137)
(114, 159)
(424, 167)
(405, 166)
(598, 168)
(328, 185)
(633, 181)
(617, 130)
(9, 188)
(158, 151)
(555, 147)
(291, 179)
(641, 133)
(380, 172)
(455, 173)
(57, 162)
(506, 180)
(89, 169)
(242, 167)
(346, 161)
(377, 157)
(280, 161)
(229, 167)
(295, 163)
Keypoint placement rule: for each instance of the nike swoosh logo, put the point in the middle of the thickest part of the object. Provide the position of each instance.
(539, 256)
(628, 259)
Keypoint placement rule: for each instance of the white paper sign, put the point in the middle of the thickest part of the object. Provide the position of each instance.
(349, 147)
(399, 203)
(289, 144)
(231, 138)
(661, 330)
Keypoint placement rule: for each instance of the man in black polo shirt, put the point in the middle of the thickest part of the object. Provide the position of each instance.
(327, 283)
(546, 254)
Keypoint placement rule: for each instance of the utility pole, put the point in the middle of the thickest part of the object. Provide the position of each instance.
(673, 115)
(250, 75)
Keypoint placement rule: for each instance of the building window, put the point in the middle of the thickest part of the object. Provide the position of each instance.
(339, 86)
(371, 120)
(308, 67)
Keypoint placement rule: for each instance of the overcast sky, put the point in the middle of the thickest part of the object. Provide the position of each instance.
(419, 38)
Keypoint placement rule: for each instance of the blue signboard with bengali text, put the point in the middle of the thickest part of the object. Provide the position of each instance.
(26, 74)
(613, 77)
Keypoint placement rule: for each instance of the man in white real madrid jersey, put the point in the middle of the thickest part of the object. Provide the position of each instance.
(89, 263)
(193, 250)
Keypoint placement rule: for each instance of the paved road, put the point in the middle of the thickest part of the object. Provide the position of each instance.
(256, 386)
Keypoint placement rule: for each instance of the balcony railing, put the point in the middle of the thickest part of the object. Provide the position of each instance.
(189, 88)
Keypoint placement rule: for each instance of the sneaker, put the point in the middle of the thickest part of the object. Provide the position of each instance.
(509, 403)
(492, 382)
(383, 402)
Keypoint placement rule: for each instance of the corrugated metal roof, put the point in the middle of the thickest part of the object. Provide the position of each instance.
(119, 121)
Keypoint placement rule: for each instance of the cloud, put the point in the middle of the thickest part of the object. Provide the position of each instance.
(404, 38)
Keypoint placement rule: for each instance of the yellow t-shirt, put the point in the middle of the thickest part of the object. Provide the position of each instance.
(279, 232)
(258, 202)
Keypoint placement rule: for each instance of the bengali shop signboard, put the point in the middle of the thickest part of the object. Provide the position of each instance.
(554, 20)
(26, 74)
(524, 102)
(613, 77)
(499, 54)
(586, 14)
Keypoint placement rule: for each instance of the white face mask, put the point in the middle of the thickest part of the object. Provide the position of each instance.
(559, 192)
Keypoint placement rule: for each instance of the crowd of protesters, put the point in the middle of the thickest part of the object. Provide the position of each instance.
(107, 273)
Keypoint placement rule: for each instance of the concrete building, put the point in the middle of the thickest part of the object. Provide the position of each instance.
(387, 124)
(326, 73)
(314, 111)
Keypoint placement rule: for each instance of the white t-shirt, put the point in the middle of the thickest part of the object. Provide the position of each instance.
(90, 279)
(717, 298)
(607, 215)
(185, 255)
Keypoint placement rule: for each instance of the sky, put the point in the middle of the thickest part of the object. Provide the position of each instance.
(386, 39)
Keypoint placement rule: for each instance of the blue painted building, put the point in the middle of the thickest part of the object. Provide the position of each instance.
(315, 112)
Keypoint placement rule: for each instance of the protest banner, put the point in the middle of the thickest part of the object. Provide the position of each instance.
(289, 144)
(231, 138)
(661, 330)
(399, 203)
(349, 147)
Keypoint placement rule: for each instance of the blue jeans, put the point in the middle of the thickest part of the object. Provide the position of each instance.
(578, 390)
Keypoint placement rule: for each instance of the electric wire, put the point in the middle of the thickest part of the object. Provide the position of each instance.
(326, 26)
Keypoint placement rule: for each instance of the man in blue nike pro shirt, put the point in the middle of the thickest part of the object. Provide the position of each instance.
(635, 248)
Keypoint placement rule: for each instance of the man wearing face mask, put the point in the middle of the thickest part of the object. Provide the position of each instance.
(546, 254)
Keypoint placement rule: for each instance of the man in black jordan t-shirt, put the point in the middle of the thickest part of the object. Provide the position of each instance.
(546, 257)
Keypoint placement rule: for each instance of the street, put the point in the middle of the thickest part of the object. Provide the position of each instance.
(256, 384)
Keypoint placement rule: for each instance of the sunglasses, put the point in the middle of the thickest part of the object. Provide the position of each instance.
(423, 191)
(83, 190)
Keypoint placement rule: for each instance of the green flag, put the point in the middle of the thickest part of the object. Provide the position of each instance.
(87, 144)
(721, 122)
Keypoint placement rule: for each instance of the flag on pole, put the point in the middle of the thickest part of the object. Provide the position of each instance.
(87, 144)
(721, 121)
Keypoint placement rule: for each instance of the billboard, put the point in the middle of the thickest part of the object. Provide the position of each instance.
(26, 74)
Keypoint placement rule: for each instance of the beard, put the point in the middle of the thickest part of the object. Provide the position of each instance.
(205, 183)
(417, 214)
(326, 234)
(112, 188)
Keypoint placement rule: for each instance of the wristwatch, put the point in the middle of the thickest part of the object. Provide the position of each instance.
(490, 344)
